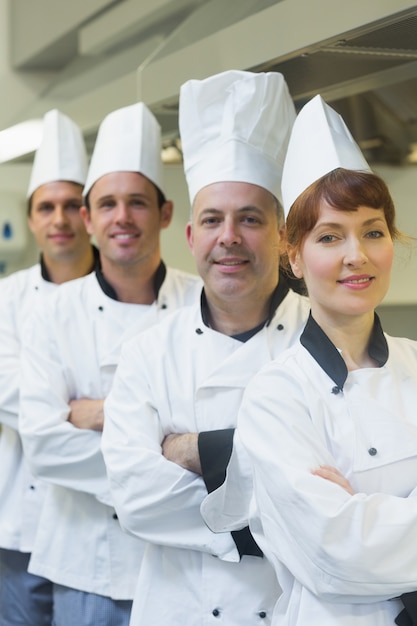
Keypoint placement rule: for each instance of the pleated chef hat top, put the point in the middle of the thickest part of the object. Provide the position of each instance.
(235, 126)
(320, 142)
(61, 154)
(128, 140)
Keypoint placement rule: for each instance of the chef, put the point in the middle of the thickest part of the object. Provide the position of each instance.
(343, 556)
(54, 199)
(71, 348)
(234, 129)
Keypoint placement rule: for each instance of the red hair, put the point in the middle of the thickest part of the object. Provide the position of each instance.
(345, 190)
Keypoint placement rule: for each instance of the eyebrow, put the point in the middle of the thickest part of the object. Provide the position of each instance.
(111, 196)
(369, 222)
(43, 203)
(245, 209)
(52, 203)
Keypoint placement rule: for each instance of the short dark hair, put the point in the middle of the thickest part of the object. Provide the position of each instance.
(280, 212)
(161, 196)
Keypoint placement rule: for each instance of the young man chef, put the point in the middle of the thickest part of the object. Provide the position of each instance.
(54, 200)
(70, 352)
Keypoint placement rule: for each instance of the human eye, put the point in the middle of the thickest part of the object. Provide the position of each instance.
(326, 238)
(210, 220)
(45, 208)
(73, 206)
(375, 234)
(251, 219)
(138, 202)
(106, 204)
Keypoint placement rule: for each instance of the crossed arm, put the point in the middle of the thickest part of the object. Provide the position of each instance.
(183, 450)
(87, 414)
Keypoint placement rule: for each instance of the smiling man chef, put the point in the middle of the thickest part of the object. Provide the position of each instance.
(234, 130)
(69, 357)
(54, 198)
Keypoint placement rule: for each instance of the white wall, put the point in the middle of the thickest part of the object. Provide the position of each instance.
(14, 180)
(175, 251)
(402, 182)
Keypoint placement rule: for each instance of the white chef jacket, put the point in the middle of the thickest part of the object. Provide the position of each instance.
(339, 558)
(21, 494)
(189, 575)
(70, 351)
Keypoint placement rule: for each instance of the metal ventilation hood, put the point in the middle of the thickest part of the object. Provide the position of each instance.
(90, 58)
(361, 57)
(370, 79)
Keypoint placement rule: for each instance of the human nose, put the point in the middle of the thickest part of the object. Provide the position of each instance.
(122, 212)
(355, 254)
(229, 233)
(60, 216)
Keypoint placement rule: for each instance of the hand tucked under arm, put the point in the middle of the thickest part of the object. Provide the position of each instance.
(332, 474)
(87, 414)
(183, 450)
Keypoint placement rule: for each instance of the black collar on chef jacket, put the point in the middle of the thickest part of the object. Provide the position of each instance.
(315, 340)
(215, 447)
(158, 280)
(45, 274)
(278, 296)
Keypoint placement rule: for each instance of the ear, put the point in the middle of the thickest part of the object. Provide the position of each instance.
(282, 240)
(30, 223)
(167, 210)
(85, 214)
(190, 237)
(295, 261)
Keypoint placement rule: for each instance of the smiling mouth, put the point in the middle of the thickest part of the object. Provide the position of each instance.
(61, 236)
(230, 263)
(356, 281)
(124, 236)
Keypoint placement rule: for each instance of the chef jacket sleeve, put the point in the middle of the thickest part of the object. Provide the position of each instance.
(9, 359)
(215, 449)
(155, 499)
(56, 451)
(227, 508)
(341, 547)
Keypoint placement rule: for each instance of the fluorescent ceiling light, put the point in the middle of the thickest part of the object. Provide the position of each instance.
(19, 140)
(412, 157)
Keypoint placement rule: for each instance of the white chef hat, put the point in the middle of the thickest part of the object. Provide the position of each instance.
(320, 142)
(61, 154)
(128, 140)
(235, 126)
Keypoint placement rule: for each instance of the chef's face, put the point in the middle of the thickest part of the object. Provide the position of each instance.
(125, 218)
(235, 237)
(56, 222)
(346, 262)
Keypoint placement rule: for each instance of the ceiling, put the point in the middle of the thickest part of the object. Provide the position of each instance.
(88, 57)
(371, 79)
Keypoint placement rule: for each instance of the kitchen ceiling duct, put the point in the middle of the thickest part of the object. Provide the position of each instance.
(362, 58)
(369, 76)
(366, 79)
